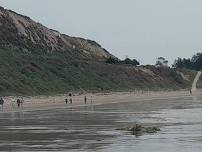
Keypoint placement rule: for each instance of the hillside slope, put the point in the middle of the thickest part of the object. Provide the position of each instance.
(37, 60)
(18, 31)
(33, 74)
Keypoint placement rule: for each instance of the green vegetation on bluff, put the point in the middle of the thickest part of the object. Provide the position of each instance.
(58, 72)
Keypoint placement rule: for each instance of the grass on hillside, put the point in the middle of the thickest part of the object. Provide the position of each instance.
(58, 72)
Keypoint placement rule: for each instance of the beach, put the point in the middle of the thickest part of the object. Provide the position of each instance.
(50, 126)
(58, 101)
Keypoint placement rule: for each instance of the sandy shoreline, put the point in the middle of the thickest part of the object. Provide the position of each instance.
(51, 102)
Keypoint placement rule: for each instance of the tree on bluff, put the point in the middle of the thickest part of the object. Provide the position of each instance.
(161, 62)
(111, 60)
(194, 63)
(182, 63)
(132, 62)
(197, 61)
(126, 61)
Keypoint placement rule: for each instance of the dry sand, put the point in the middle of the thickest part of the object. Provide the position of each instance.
(51, 102)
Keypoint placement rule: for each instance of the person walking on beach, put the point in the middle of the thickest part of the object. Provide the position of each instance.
(1, 103)
(70, 98)
(18, 102)
(85, 99)
(91, 99)
(66, 100)
(190, 91)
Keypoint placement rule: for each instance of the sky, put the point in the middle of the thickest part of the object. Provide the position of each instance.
(140, 29)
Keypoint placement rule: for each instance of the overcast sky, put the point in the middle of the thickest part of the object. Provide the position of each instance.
(141, 29)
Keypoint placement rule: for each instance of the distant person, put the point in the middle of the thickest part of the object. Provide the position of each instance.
(70, 100)
(66, 100)
(85, 99)
(190, 91)
(91, 99)
(2, 103)
(18, 103)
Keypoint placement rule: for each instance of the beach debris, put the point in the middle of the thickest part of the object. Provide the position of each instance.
(138, 129)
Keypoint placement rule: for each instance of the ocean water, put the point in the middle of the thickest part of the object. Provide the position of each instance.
(94, 128)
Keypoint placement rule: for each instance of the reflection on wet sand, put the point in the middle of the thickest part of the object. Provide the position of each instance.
(94, 128)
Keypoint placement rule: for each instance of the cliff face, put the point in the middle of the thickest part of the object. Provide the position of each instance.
(18, 31)
(38, 60)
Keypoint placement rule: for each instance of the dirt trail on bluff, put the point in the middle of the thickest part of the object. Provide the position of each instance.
(195, 81)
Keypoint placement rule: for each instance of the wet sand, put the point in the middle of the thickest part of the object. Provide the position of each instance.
(51, 102)
(94, 128)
